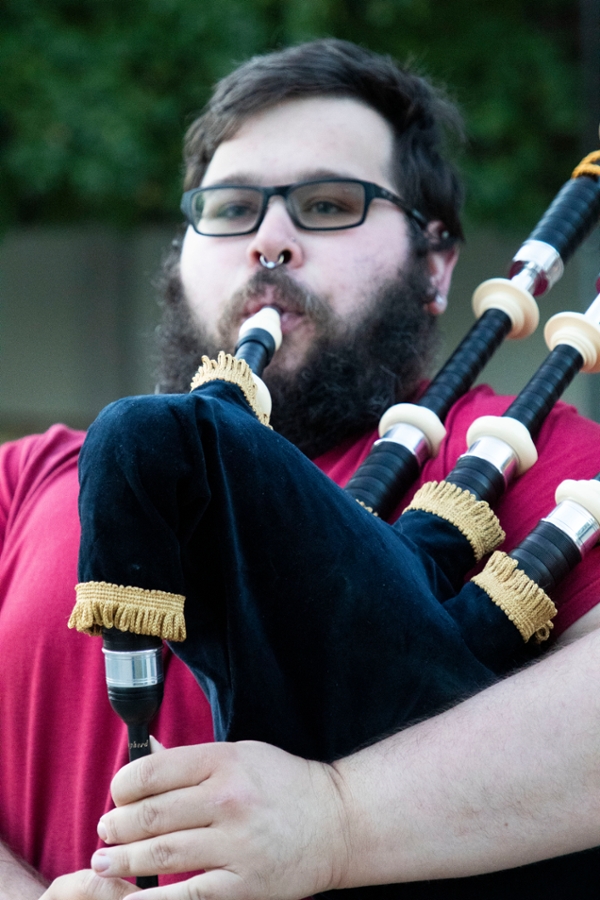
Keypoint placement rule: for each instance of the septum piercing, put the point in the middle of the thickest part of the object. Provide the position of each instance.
(268, 264)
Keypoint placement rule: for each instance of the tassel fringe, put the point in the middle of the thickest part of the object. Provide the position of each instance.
(235, 371)
(103, 605)
(527, 606)
(368, 508)
(473, 518)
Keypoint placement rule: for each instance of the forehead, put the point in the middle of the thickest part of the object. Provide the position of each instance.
(307, 138)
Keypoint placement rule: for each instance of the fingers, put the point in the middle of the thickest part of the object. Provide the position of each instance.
(249, 814)
(167, 770)
(183, 851)
(175, 790)
(218, 885)
(155, 745)
(86, 885)
(176, 810)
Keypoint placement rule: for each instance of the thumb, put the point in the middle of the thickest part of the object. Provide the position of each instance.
(86, 885)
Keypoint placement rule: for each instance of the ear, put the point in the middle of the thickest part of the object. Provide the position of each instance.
(440, 264)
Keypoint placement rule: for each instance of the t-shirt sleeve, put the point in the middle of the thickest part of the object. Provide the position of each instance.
(13, 457)
(27, 464)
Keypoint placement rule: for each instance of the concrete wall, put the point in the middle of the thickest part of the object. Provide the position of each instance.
(77, 312)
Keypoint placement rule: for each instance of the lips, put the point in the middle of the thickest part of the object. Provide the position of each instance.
(291, 314)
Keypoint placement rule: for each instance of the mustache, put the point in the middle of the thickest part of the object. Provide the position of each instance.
(284, 293)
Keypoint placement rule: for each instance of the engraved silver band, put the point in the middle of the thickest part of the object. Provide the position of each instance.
(498, 453)
(577, 523)
(408, 436)
(142, 668)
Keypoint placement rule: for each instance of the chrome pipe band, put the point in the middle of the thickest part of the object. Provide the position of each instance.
(141, 668)
(498, 454)
(576, 523)
(410, 437)
(536, 266)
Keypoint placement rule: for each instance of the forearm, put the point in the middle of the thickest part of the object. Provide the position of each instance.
(508, 777)
(18, 881)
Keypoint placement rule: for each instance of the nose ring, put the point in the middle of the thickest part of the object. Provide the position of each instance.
(268, 264)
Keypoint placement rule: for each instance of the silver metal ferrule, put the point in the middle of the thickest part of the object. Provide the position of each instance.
(498, 453)
(536, 266)
(526, 278)
(141, 668)
(408, 436)
(577, 523)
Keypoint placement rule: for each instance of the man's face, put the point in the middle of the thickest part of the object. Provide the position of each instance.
(343, 270)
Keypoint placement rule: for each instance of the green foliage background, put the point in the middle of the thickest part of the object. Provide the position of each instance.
(95, 95)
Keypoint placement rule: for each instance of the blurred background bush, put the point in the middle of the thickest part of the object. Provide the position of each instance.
(95, 96)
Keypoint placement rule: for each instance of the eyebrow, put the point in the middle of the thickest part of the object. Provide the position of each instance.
(250, 179)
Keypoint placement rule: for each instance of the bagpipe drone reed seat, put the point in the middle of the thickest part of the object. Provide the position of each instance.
(309, 623)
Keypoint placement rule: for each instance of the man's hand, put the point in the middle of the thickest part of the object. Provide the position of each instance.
(247, 813)
(86, 885)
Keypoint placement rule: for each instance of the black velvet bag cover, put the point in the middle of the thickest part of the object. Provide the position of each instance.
(311, 624)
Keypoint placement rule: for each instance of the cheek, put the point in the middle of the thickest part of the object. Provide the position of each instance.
(354, 279)
(202, 276)
(362, 261)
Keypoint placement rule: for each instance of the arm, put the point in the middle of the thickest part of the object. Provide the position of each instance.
(18, 881)
(506, 778)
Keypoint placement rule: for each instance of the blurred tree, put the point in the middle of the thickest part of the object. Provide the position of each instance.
(95, 94)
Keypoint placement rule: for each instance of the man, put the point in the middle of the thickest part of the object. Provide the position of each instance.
(330, 288)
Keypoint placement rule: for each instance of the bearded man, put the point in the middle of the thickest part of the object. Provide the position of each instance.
(358, 304)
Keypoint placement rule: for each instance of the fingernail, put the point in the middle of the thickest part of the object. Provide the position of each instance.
(102, 832)
(100, 862)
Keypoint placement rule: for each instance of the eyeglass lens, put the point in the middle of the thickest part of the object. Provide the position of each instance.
(322, 205)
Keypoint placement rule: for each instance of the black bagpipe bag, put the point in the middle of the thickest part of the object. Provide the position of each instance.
(311, 624)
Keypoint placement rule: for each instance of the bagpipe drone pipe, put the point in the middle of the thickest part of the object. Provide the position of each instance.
(410, 433)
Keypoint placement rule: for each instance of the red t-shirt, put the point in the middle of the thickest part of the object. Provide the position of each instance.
(60, 742)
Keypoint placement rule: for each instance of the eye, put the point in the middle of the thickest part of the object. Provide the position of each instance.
(231, 211)
(228, 206)
(322, 207)
(329, 204)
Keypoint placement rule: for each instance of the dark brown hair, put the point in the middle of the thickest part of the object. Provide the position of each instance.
(418, 114)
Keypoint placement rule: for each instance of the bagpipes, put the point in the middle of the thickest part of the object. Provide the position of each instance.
(412, 433)
(309, 622)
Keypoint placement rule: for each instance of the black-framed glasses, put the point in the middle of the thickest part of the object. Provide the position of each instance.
(322, 205)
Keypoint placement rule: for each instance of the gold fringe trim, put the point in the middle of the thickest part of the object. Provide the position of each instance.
(235, 371)
(368, 508)
(527, 606)
(589, 165)
(473, 518)
(103, 605)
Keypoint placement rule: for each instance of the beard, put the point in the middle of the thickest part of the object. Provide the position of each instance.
(352, 372)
